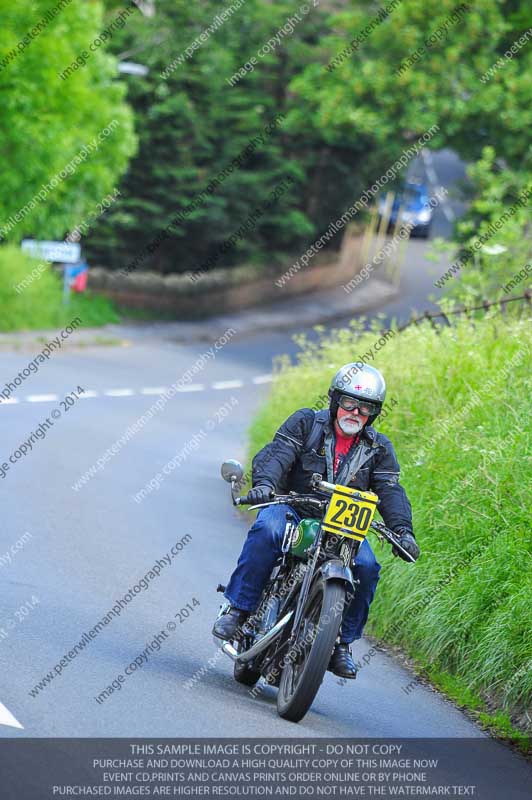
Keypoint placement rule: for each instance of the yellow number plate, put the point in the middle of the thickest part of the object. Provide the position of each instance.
(348, 515)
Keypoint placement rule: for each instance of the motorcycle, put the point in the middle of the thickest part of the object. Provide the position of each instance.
(289, 639)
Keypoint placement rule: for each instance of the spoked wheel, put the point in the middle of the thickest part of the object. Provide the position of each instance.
(307, 659)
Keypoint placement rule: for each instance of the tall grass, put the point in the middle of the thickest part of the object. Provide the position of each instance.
(461, 429)
(40, 304)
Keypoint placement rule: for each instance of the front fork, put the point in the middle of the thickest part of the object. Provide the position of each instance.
(332, 569)
(305, 587)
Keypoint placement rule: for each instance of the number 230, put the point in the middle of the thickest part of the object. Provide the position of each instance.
(359, 515)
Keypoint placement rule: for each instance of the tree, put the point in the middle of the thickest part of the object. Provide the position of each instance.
(195, 114)
(64, 142)
(386, 76)
(357, 84)
(421, 65)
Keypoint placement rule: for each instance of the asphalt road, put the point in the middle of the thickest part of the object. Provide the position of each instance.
(87, 548)
(81, 550)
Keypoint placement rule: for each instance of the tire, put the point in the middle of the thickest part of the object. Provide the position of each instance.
(244, 674)
(300, 681)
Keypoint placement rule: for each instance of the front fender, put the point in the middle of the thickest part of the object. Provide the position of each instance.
(336, 570)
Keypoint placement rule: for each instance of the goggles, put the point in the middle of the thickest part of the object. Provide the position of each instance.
(365, 407)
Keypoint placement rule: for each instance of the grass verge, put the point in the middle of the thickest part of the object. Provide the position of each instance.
(461, 425)
(38, 304)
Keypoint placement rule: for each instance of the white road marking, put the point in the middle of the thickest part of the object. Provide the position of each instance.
(227, 384)
(147, 390)
(192, 387)
(119, 392)
(7, 718)
(42, 398)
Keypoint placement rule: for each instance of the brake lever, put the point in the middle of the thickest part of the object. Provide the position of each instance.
(263, 505)
(318, 504)
(406, 553)
(385, 533)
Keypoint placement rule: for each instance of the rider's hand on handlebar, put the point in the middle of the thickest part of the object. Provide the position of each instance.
(408, 543)
(260, 494)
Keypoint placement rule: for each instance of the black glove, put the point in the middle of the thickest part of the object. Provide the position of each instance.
(260, 494)
(408, 543)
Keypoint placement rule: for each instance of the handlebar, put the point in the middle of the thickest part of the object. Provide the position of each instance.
(242, 501)
(317, 483)
(309, 500)
(294, 499)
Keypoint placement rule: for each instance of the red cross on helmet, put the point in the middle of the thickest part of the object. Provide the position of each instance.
(361, 381)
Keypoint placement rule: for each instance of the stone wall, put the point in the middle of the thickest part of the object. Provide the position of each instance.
(226, 290)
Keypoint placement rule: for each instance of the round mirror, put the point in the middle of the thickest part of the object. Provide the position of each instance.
(232, 470)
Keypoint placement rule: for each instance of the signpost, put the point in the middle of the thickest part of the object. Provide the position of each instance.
(76, 277)
(75, 271)
(59, 252)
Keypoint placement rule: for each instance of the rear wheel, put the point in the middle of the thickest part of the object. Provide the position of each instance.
(306, 661)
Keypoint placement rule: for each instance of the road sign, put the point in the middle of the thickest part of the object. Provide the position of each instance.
(60, 252)
(75, 278)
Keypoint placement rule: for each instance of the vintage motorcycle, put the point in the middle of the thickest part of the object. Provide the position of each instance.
(289, 639)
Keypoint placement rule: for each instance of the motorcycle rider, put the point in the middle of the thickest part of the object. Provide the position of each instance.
(340, 444)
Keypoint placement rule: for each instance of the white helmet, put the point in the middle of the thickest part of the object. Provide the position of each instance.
(362, 382)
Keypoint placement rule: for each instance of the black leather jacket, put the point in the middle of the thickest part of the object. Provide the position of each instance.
(305, 443)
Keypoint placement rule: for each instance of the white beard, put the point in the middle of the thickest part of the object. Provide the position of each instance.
(350, 427)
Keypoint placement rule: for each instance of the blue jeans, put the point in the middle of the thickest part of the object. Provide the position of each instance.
(261, 550)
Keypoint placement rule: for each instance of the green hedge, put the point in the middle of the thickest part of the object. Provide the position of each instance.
(461, 428)
(38, 303)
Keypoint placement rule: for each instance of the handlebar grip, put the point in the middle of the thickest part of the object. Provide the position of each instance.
(246, 500)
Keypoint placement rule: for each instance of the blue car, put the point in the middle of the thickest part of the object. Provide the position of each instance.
(413, 203)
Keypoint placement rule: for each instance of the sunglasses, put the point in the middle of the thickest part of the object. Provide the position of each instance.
(364, 407)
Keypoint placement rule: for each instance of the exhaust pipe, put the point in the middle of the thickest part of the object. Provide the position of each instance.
(257, 648)
(266, 640)
(228, 649)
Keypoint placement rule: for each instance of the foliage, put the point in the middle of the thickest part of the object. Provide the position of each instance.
(495, 192)
(347, 111)
(343, 128)
(46, 121)
(40, 304)
(381, 92)
(465, 605)
(369, 95)
(194, 123)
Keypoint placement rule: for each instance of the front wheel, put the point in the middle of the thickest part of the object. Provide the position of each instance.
(306, 661)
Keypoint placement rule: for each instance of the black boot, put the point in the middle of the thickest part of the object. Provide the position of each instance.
(228, 624)
(341, 662)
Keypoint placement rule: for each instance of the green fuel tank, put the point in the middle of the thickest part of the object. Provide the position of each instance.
(303, 537)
